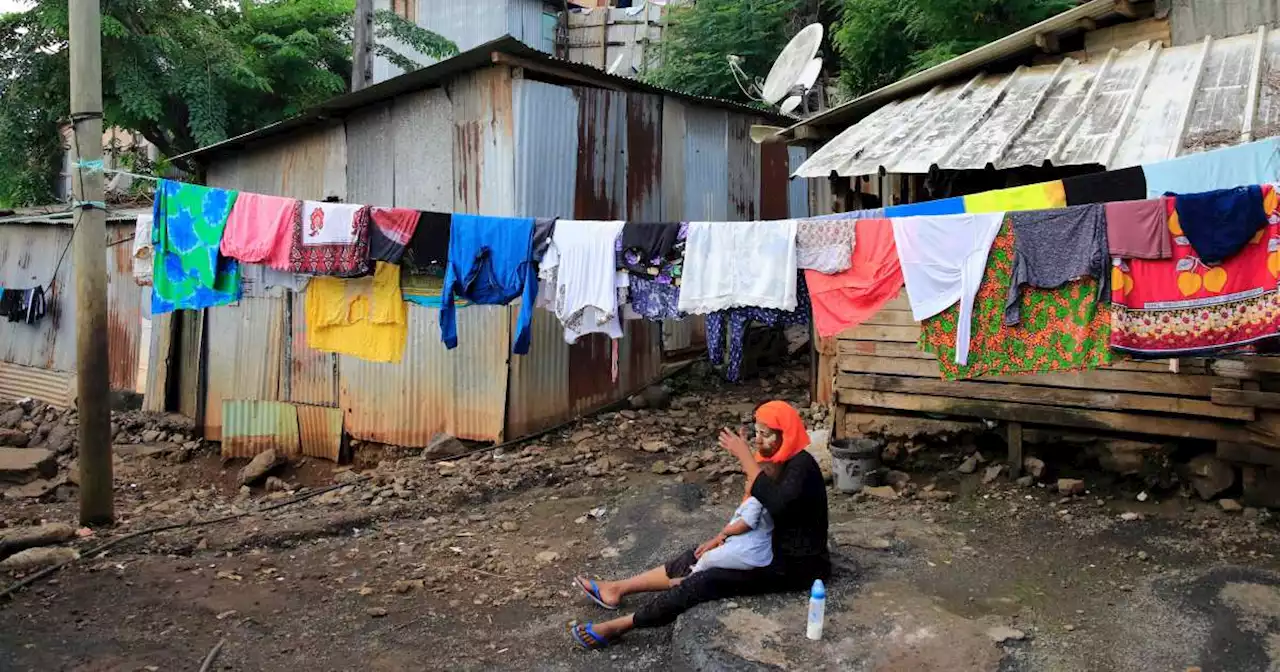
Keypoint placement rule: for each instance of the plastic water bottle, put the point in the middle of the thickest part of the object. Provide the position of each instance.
(817, 609)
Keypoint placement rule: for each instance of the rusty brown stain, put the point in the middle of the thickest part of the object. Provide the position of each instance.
(122, 350)
(590, 366)
(644, 156)
(470, 164)
(597, 147)
(774, 175)
(249, 446)
(742, 173)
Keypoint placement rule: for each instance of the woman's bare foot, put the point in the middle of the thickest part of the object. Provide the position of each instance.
(607, 591)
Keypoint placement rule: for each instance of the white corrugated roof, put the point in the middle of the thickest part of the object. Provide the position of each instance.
(1145, 104)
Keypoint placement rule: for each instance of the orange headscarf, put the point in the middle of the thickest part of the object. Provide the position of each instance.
(780, 416)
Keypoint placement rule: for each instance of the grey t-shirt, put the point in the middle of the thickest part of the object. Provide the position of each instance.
(1054, 247)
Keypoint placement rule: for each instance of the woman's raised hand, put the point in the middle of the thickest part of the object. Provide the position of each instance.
(736, 444)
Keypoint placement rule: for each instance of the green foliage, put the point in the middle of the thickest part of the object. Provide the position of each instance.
(879, 41)
(182, 73)
(390, 26)
(699, 38)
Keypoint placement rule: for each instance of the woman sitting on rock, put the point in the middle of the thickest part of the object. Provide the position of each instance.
(796, 500)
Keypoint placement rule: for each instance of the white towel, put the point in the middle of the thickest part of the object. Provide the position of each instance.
(943, 259)
(739, 264)
(143, 251)
(329, 223)
(581, 274)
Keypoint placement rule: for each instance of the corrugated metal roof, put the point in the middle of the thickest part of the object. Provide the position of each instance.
(440, 73)
(1137, 106)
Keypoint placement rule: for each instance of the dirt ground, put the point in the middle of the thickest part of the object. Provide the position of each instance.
(468, 565)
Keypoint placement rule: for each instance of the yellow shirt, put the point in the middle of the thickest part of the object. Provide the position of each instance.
(1030, 197)
(361, 317)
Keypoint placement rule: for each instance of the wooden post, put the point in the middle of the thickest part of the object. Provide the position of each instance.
(89, 260)
(362, 46)
(1014, 438)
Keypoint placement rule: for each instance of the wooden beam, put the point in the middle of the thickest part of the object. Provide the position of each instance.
(893, 318)
(1052, 396)
(1048, 42)
(1252, 399)
(564, 73)
(1013, 436)
(1087, 24)
(813, 133)
(903, 426)
(1180, 385)
(873, 332)
(1048, 415)
(1126, 9)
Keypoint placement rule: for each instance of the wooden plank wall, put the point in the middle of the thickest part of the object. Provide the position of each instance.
(877, 369)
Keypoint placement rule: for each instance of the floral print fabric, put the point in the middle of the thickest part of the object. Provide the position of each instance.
(1063, 329)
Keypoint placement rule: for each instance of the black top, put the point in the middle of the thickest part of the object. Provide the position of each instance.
(797, 501)
(1126, 184)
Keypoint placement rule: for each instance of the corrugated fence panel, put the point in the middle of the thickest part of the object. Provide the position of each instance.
(423, 148)
(320, 431)
(28, 254)
(483, 143)
(744, 170)
(313, 377)
(706, 165)
(546, 149)
(644, 157)
(252, 426)
(124, 309)
(674, 130)
(798, 189)
(245, 351)
(601, 191)
(52, 387)
(539, 389)
(371, 151)
(461, 391)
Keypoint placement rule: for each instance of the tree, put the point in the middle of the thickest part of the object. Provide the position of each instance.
(699, 38)
(182, 73)
(880, 41)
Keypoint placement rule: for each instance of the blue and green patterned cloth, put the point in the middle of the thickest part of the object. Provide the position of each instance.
(189, 272)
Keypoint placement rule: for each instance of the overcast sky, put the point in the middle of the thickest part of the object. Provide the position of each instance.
(7, 6)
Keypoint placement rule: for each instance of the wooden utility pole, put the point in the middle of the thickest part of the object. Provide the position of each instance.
(362, 47)
(89, 264)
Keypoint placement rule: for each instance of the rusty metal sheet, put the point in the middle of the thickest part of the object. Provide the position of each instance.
(674, 132)
(28, 254)
(483, 143)
(432, 390)
(775, 196)
(252, 426)
(312, 375)
(320, 431)
(124, 311)
(539, 388)
(600, 190)
(644, 157)
(52, 387)
(706, 165)
(245, 349)
(546, 148)
(744, 170)
(423, 149)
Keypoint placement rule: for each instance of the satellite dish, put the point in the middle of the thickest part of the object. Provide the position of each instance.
(808, 77)
(792, 64)
(617, 63)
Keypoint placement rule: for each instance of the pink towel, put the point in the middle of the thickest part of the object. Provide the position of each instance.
(260, 229)
(1139, 230)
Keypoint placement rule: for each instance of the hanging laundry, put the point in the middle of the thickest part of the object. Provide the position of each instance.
(260, 229)
(24, 306)
(188, 272)
(543, 228)
(738, 319)
(10, 302)
(1054, 247)
(428, 251)
(739, 264)
(654, 291)
(1139, 229)
(1251, 163)
(825, 245)
(845, 300)
(362, 317)
(490, 262)
(582, 275)
(648, 246)
(943, 259)
(942, 206)
(653, 299)
(426, 291)
(1219, 223)
(392, 230)
(331, 239)
(1125, 184)
(1040, 196)
(874, 213)
(1183, 307)
(143, 249)
(1063, 329)
(258, 280)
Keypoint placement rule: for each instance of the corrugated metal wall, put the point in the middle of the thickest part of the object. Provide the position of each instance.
(1192, 20)
(43, 354)
(244, 345)
(706, 165)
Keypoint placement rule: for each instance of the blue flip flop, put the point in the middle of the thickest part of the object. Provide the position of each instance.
(593, 594)
(592, 641)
